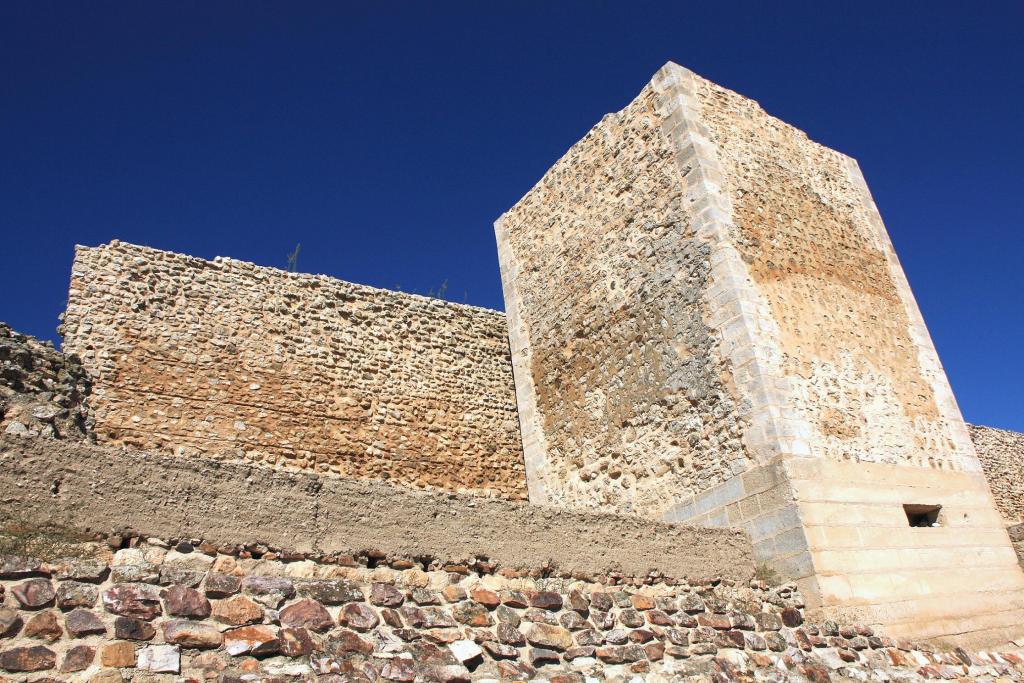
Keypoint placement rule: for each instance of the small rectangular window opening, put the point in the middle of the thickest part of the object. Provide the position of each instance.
(922, 515)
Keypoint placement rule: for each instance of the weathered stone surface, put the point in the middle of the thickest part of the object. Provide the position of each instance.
(32, 658)
(487, 598)
(237, 611)
(191, 634)
(546, 600)
(539, 656)
(184, 570)
(386, 595)
(510, 635)
(426, 617)
(399, 669)
(118, 654)
(270, 591)
(127, 628)
(342, 642)
(546, 636)
(18, 567)
(465, 650)
(424, 596)
(160, 659)
(10, 622)
(316, 405)
(999, 452)
(78, 658)
(359, 616)
(499, 650)
(295, 642)
(514, 599)
(472, 614)
(45, 626)
(252, 640)
(220, 585)
(41, 390)
(307, 613)
(330, 591)
(83, 569)
(133, 600)
(34, 593)
(182, 601)
(71, 594)
(81, 622)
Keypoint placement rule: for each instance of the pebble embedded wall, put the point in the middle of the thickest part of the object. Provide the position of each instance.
(181, 609)
(228, 359)
(1001, 453)
(624, 401)
(859, 366)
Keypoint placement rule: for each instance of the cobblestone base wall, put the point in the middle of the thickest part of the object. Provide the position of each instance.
(173, 609)
(303, 372)
(1001, 453)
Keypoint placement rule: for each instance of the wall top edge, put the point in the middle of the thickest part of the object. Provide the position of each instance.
(228, 262)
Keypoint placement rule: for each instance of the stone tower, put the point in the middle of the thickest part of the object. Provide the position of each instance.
(709, 325)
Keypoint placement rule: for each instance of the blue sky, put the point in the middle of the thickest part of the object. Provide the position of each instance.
(387, 137)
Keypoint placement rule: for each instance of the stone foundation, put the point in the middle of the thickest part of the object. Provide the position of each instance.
(173, 609)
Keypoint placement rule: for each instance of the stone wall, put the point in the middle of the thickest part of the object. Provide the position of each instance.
(1001, 453)
(856, 360)
(297, 371)
(738, 346)
(172, 609)
(41, 390)
(624, 399)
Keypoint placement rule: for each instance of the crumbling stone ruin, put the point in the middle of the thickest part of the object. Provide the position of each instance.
(41, 390)
(710, 439)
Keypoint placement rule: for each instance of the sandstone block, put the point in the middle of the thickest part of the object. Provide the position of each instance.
(252, 640)
(220, 585)
(127, 628)
(182, 601)
(547, 636)
(307, 613)
(81, 622)
(78, 658)
(117, 654)
(160, 659)
(25, 659)
(237, 611)
(191, 634)
(359, 616)
(133, 600)
(71, 594)
(34, 593)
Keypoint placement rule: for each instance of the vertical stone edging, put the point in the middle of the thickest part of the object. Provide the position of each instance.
(737, 309)
(531, 434)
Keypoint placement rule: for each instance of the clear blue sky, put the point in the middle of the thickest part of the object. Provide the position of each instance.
(387, 140)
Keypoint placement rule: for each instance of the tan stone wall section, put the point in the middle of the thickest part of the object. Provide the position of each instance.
(296, 371)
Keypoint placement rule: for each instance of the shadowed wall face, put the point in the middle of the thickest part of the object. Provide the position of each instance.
(298, 371)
